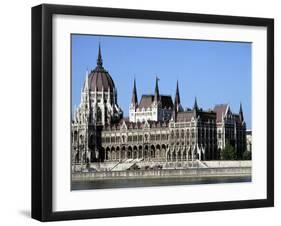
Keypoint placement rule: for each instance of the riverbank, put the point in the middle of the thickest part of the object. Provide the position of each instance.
(166, 173)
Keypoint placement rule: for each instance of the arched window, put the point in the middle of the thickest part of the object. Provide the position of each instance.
(182, 133)
(92, 139)
(177, 134)
(81, 138)
(99, 115)
(179, 156)
(184, 155)
(146, 137)
(172, 135)
(174, 156)
(75, 136)
(192, 133)
(168, 156)
(123, 139)
(77, 157)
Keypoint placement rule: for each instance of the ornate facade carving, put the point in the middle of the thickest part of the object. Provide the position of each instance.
(158, 129)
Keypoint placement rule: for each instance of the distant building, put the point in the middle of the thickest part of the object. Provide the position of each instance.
(158, 129)
(249, 140)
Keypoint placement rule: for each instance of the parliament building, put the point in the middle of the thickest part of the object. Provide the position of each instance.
(158, 128)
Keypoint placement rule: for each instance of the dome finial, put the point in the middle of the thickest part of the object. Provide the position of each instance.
(99, 60)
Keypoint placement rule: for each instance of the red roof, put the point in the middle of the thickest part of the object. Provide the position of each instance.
(220, 111)
(184, 116)
(147, 101)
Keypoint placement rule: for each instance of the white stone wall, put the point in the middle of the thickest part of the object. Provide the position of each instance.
(153, 113)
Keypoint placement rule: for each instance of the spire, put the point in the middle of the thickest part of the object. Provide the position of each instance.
(86, 84)
(90, 107)
(241, 113)
(177, 98)
(195, 107)
(99, 60)
(134, 95)
(88, 98)
(156, 93)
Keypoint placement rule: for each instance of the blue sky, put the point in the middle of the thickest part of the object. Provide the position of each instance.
(215, 72)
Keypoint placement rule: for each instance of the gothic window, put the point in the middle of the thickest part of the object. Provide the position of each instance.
(146, 137)
(77, 157)
(92, 141)
(123, 139)
(99, 115)
(172, 135)
(182, 134)
(81, 138)
(174, 156)
(75, 136)
(177, 134)
(192, 133)
(135, 138)
(158, 137)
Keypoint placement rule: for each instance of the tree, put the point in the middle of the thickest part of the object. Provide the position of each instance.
(229, 153)
(247, 155)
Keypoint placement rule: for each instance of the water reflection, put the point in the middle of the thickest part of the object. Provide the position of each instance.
(149, 182)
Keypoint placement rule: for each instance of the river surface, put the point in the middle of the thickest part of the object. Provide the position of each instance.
(149, 182)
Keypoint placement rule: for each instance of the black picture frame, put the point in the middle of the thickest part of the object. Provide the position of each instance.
(42, 111)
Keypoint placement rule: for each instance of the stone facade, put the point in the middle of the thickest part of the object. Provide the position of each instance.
(158, 129)
(151, 107)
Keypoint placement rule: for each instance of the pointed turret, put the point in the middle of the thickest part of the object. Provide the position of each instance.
(86, 84)
(90, 108)
(134, 101)
(156, 92)
(177, 99)
(88, 97)
(99, 60)
(241, 116)
(195, 107)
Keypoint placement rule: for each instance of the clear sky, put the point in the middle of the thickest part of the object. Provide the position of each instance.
(215, 72)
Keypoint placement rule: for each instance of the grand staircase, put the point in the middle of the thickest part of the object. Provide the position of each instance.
(128, 163)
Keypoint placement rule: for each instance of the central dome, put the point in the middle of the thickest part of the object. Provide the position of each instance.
(99, 79)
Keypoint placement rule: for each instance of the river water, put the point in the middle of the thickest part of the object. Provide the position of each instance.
(149, 182)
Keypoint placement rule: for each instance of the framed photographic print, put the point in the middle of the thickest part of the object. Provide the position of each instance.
(146, 112)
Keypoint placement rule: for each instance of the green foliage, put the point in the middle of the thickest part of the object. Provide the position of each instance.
(229, 152)
(247, 155)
